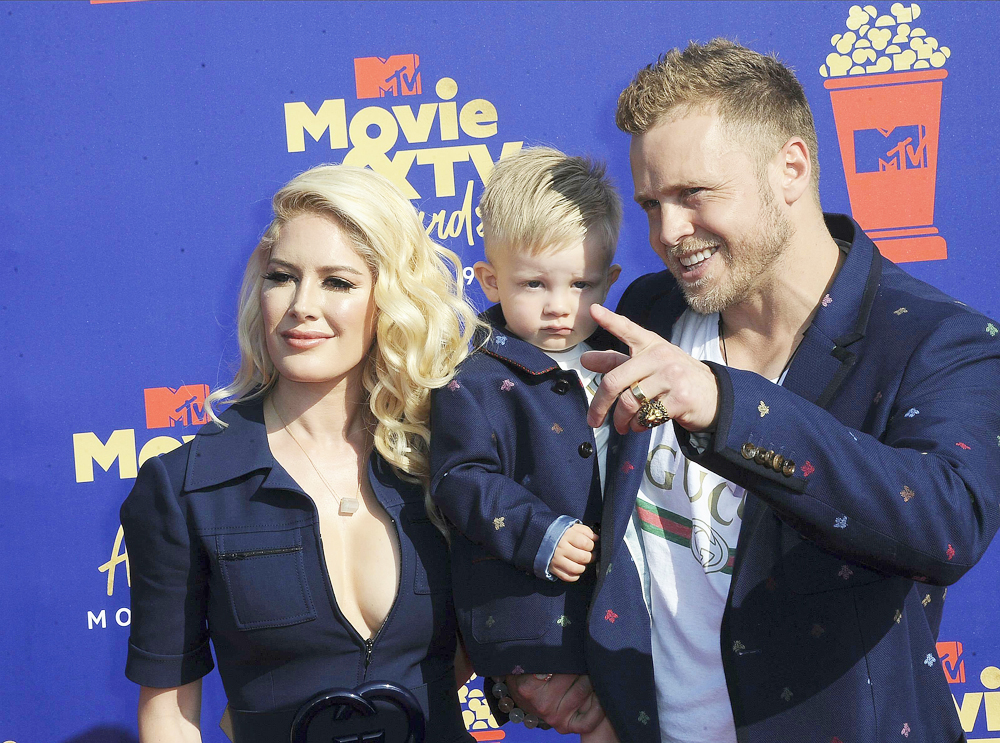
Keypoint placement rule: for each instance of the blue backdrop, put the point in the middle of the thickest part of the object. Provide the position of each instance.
(141, 142)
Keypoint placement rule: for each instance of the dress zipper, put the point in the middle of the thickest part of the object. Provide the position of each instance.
(368, 643)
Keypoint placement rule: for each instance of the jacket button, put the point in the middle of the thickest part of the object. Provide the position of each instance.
(777, 462)
(788, 468)
(561, 387)
(749, 451)
(764, 456)
(586, 449)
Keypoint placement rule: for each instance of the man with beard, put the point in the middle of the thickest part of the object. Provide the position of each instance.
(775, 559)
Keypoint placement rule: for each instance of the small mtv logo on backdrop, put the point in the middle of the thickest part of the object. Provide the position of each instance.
(950, 654)
(167, 407)
(376, 77)
(902, 148)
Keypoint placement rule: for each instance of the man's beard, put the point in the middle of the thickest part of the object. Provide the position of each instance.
(747, 260)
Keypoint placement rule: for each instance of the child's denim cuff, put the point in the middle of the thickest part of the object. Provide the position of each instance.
(547, 549)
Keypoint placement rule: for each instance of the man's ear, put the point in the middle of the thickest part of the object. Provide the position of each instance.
(795, 176)
(486, 275)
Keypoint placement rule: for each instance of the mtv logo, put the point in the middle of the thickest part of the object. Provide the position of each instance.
(375, 77)
(902, 148)
(167, 407)
(954, 667)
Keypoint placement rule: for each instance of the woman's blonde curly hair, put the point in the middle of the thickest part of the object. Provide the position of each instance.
(424, 324)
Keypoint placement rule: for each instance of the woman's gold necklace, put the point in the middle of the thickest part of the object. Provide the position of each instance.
(346, 506)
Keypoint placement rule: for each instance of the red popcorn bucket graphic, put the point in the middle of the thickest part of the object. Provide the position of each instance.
(888, 129)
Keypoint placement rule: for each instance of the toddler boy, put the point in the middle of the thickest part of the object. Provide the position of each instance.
(515, 468)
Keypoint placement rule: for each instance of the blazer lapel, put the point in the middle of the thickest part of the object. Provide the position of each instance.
(824, 357)
(625, 468)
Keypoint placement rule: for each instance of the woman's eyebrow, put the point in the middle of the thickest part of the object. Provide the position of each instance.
(321, 269)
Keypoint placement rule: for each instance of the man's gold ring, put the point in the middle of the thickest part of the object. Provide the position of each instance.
(637, 392)
(652, 414)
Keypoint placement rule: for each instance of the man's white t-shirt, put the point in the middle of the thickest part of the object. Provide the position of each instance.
(683, 537)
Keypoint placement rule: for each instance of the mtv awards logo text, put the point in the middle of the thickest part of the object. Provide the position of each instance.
(375, 77)
(379, 137)
(885, 83)
(165, 407)
(184, 406)
(979, 708)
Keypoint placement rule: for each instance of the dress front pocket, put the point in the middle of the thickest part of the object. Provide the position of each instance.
(432, 573)
(265, 578)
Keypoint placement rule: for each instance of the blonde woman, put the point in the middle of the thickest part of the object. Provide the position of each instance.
(293, 532)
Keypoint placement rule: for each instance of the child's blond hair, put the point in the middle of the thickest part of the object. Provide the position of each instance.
(541, 199)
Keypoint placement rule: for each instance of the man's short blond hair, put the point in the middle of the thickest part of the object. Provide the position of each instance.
(756, 96)
(541, 199)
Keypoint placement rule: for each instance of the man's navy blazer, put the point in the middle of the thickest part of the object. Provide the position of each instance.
(511, 452)
(890, 412)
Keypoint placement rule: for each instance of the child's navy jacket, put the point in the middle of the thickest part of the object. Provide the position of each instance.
(511, 452)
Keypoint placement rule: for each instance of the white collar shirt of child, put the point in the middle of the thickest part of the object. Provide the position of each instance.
(569, 360)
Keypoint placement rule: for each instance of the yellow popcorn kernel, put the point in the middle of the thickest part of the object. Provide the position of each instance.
(860, 56)
(856, 17)
(884, 64)
(838, 64)
(846, 42)
(905, 13)
(904, 60)
(880, 38)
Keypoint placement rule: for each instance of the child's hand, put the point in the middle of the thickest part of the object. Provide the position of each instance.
(573, 553)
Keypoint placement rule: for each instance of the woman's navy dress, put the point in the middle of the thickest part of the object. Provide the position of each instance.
(224, 545)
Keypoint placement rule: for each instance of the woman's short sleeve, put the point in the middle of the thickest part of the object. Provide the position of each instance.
(168, 645)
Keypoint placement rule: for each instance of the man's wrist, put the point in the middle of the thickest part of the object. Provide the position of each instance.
(505, 708)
